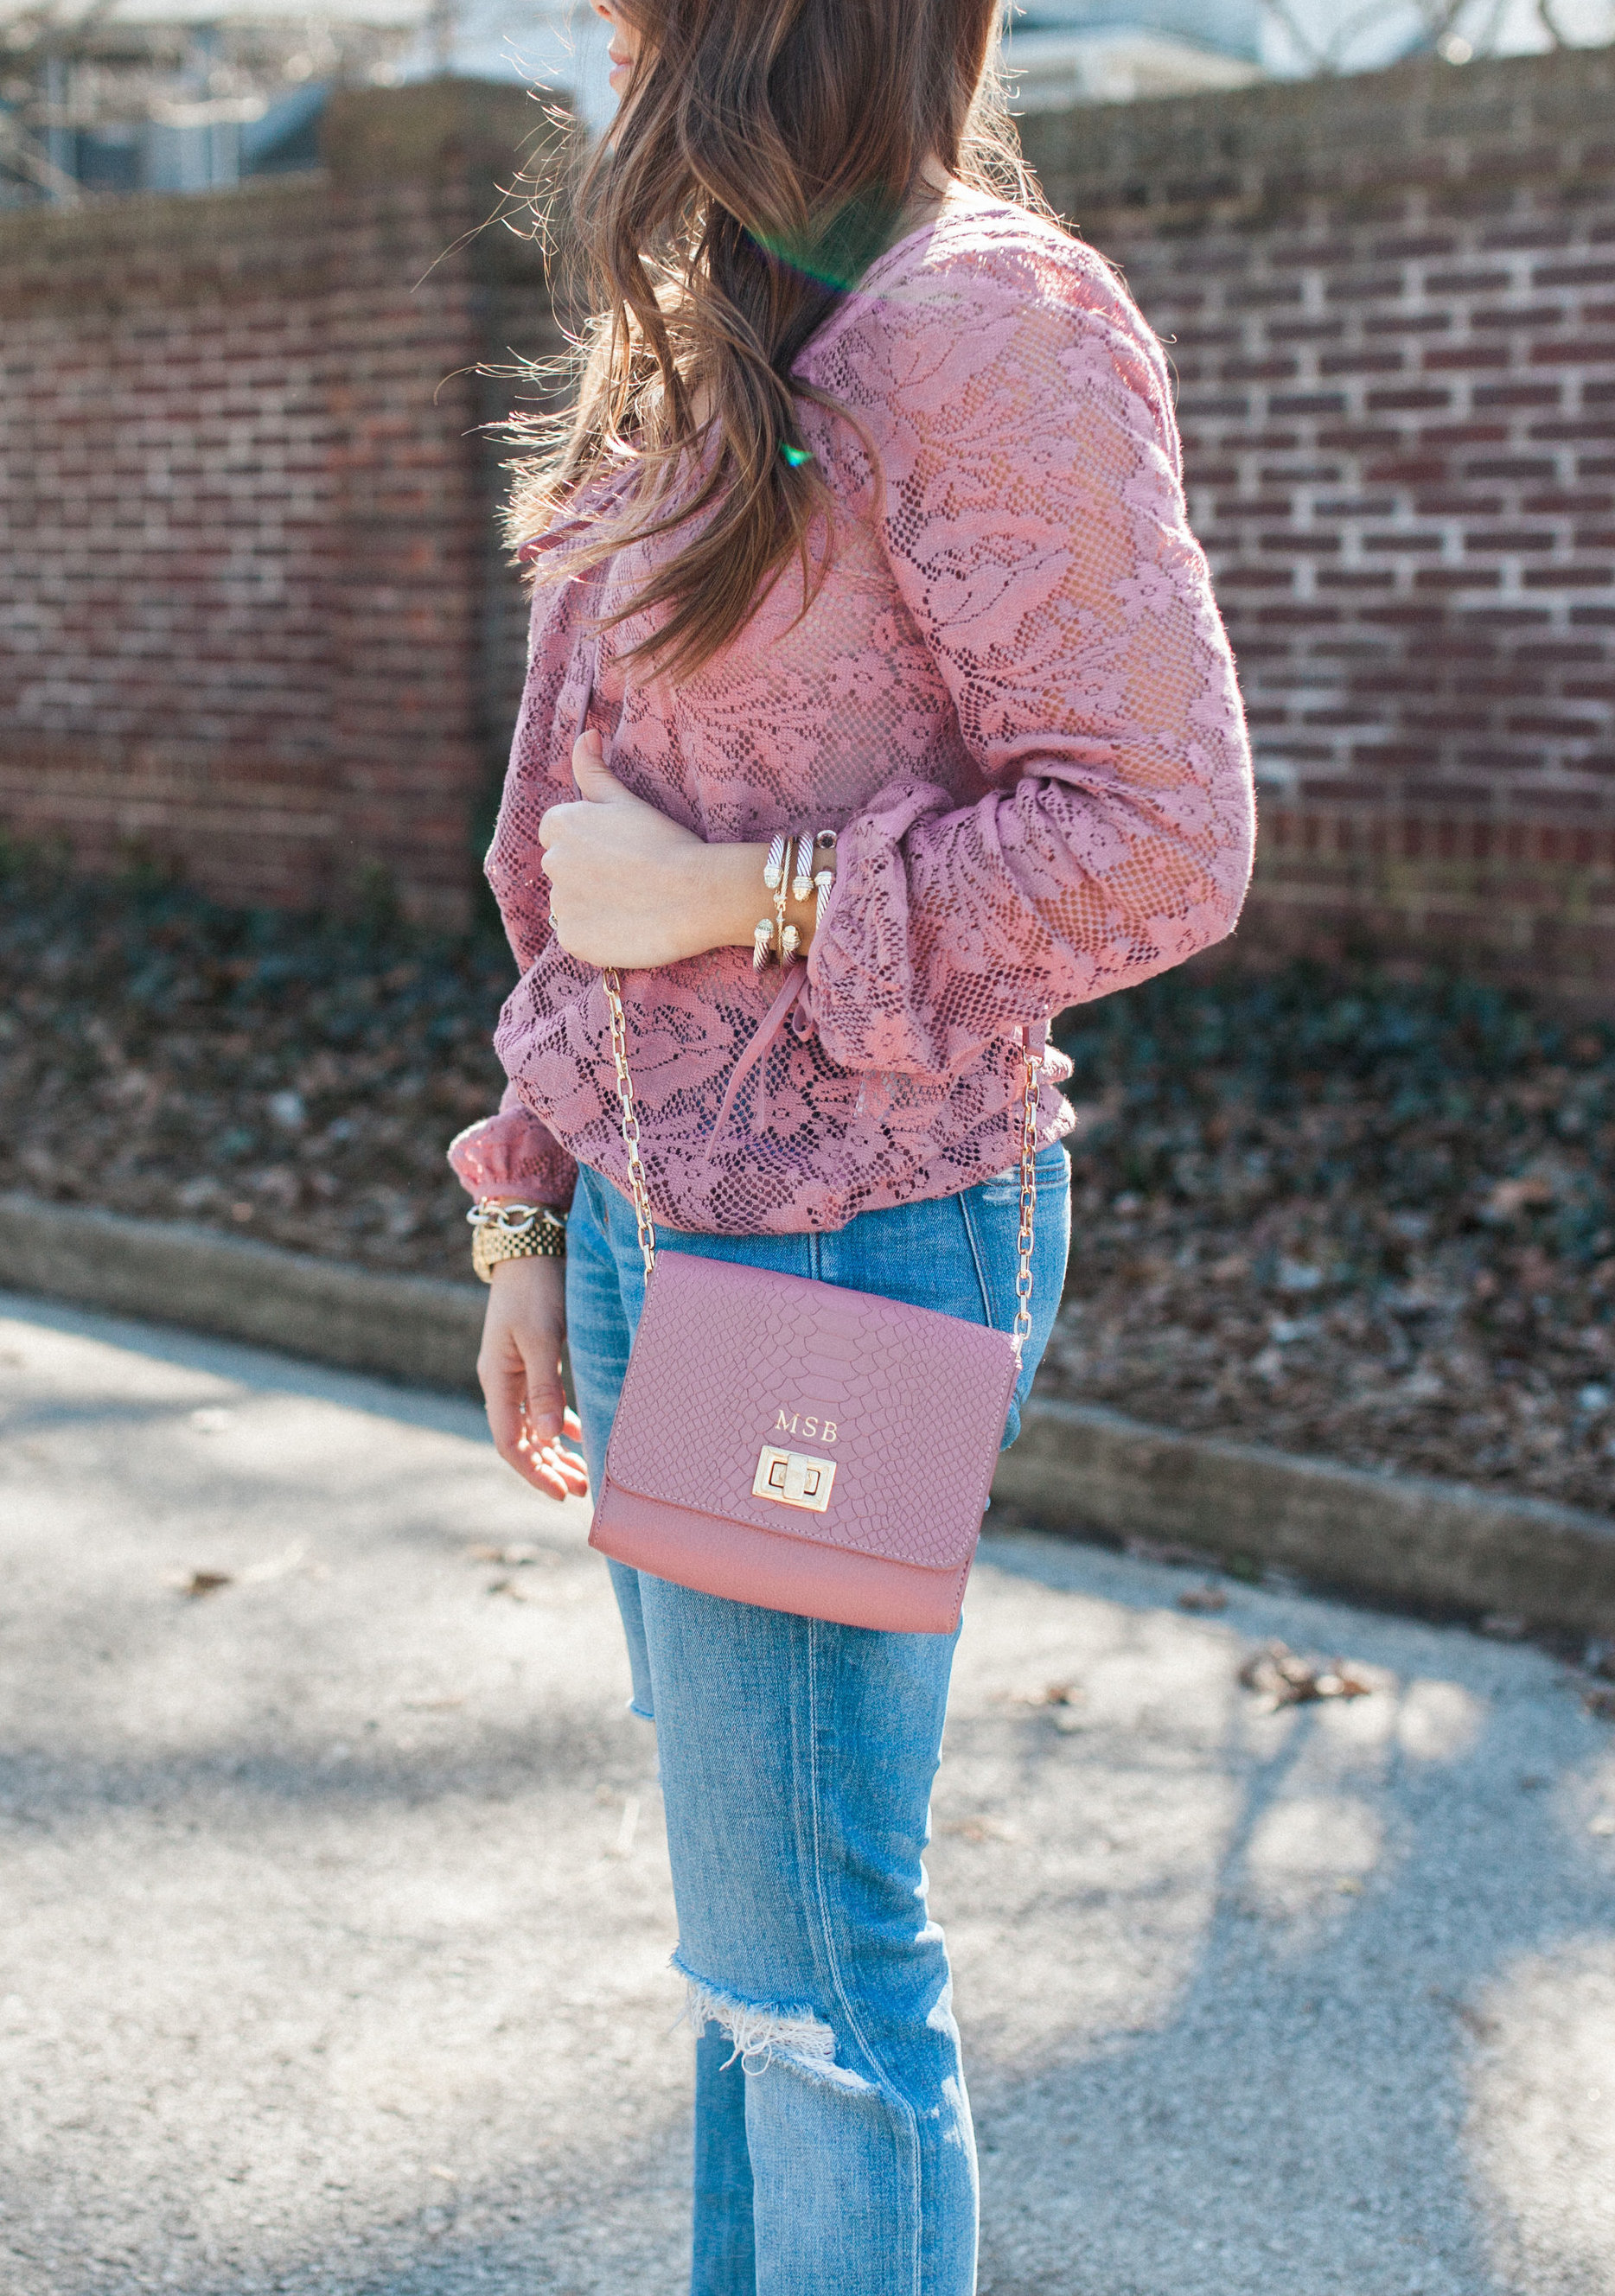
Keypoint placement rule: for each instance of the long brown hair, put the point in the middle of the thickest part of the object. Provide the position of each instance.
(764, 153)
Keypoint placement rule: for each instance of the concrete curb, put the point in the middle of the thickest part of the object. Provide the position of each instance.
(1078, 1467)
(418, 1329)
(1403, 1539)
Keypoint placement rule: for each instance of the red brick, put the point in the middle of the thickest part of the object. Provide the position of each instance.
(314, 537)
(1574, 274)
(1466, 282)
(1519, 318)
(1456, 502)
(1577, 350)
(1408, 402)
(1518, 394)
(1465, 359)
(256, 592)
(1361, 363)
(1417, 322)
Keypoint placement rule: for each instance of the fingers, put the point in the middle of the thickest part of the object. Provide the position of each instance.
(597, 785)
(593, 777)
(504, 1383)
(544, 1398)
(546, 1418)
(560, 1474)
(539, 1458)
(519, 1370)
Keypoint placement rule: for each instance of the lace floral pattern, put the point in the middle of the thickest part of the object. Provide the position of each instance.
(1013, 698)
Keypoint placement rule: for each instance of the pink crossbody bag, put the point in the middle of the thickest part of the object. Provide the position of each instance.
(786, 1442)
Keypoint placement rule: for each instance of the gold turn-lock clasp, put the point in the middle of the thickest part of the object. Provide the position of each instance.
(793, 1479)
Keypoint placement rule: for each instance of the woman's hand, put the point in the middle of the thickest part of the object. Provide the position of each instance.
(630, 888)
(519, 1364)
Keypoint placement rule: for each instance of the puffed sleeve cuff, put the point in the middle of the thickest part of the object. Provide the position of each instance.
(513, 1153)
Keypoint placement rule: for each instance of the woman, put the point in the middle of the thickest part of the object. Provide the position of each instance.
(869, 521)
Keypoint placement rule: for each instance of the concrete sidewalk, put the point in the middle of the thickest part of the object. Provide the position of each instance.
(334, 1918)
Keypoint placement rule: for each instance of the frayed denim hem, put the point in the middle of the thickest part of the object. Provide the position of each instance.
(765, 2034)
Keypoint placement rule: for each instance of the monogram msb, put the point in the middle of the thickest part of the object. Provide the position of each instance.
(814, 1430)
(859, 1498)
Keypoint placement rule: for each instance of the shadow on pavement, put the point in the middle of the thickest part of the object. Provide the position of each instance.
(337, 1914)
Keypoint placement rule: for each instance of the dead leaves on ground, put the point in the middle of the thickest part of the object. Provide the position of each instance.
(1364, 1218)
(979, 1828)
(1207, 1598)
(513, 1558)
(1056, 1693)
(193, 1584)
(1279, 1678)
(196, 1583)
(1169, 1551)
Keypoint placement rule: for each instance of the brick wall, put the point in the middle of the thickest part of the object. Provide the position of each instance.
(250, 614)
(1390, 302)
(250, 618)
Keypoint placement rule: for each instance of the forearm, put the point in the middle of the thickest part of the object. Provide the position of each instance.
(632, 889)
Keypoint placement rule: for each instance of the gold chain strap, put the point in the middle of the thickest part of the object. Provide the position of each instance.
(630, 1123)
(1028, 1194)
(641, 1195)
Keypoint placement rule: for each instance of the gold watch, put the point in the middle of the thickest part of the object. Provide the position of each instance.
(514, 1231)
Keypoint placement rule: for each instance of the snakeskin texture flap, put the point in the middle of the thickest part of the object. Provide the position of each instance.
(797, 1407)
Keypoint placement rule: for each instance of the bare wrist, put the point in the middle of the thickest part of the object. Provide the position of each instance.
(542, 1274)
(736, 895)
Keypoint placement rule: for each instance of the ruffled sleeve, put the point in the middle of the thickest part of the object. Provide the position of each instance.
(1030, 505)
(513, 1153)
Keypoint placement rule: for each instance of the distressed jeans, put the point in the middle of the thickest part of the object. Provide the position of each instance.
(834, 2149)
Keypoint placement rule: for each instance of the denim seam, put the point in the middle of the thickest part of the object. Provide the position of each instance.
(833, 1959)
(974, 1240)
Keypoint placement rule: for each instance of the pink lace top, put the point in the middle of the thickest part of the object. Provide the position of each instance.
(1013, 698)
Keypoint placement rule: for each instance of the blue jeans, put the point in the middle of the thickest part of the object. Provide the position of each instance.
(834, 2155)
